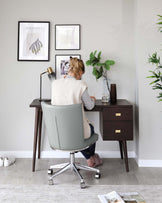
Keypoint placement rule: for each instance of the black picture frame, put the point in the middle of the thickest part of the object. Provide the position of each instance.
(33, 41)
(67, 37)
(61, 64)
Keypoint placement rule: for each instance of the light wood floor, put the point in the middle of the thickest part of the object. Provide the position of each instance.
(112, 173)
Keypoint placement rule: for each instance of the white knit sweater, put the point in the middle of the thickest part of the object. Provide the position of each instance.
(69, 91)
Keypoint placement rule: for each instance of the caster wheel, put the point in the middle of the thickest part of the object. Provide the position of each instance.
(50, 171)
(82, 185)
(50, 182)
(98, 175)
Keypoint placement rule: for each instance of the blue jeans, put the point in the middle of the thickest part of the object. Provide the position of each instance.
(90, 151)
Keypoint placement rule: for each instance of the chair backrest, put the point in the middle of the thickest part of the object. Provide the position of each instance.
(64, 125)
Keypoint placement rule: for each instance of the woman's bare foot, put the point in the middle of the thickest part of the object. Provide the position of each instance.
(91, 161)
(98, 161)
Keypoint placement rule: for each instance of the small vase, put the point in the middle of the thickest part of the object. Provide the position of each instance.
(113, 94)
(105, 92)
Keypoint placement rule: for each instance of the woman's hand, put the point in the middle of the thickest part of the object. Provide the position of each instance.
(92, 97)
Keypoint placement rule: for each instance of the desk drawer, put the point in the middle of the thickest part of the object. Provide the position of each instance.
(118, 114)
(118, 130)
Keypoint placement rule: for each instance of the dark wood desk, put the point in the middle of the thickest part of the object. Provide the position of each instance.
(116, 124)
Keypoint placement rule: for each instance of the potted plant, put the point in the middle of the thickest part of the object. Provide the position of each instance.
(157, 73)
(99, 68)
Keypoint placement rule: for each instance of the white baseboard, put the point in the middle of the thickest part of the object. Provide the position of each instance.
(149, 163)
(17, 154)
(103, 154)
(61, 154)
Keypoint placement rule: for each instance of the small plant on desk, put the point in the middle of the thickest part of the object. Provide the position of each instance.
(99, 68)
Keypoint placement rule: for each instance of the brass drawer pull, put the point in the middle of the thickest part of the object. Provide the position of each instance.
(117, 131)
(117, 114)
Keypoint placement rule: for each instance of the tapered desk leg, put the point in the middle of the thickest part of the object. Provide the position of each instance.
(40, 131)
(35, 137)
(121, 149)
(125, 155)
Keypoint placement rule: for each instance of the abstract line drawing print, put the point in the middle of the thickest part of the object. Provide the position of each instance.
(36, 46)
(33, 41)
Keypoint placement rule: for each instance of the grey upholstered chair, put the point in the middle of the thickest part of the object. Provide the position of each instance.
(64, 125)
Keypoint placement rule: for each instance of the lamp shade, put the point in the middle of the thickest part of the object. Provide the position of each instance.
(49, 70)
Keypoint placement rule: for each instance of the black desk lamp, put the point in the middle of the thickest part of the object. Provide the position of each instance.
(51, 76)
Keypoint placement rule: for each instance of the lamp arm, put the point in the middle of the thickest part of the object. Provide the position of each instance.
(40, 87)
(43, 72)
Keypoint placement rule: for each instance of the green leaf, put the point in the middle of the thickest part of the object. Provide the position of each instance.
(151, 76)
(95, 61)
(157, 86)
(95, 52)
(153, 72)
(160, 78)
(100, 64)
(154, 81)
(107, 67)
(99, 75)
(154, 59)
(101, 70)
(159, 16)
(110, 62)
(91, 56)
(159, 73)
(88, 63)
(99, 55)
(160, 95)
(96, 73)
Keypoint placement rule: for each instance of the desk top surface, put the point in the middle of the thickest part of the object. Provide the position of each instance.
(98, 106)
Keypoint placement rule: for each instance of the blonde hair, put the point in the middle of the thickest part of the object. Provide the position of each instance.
(76, 66)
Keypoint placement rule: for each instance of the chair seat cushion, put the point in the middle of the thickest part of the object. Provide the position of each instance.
(85, 144)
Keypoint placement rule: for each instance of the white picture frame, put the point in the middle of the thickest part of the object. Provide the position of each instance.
(67, 37)
(33, 40)
(62, 63)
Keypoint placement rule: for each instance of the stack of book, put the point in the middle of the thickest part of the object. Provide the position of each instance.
(114, 197)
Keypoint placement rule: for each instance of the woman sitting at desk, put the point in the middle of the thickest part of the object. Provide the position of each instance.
(72, 90)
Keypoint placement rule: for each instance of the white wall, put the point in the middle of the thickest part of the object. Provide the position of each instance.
(148, 41)
(107, 25)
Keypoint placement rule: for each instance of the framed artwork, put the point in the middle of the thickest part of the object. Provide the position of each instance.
(33, 40)
(67, 37)
(62, 64)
